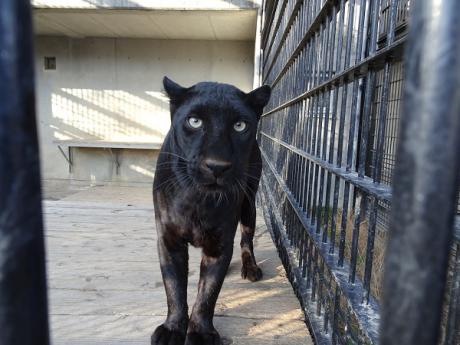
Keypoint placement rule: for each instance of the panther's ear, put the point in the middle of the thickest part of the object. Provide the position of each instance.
(259, 98)
(175, 92)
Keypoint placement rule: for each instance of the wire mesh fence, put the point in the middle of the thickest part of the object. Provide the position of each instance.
(328, 139)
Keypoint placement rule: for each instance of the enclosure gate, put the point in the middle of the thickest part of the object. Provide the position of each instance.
(329, 137)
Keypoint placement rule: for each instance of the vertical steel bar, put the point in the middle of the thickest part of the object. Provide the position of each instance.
(327, 308)
(319, 181)
(311, 140)
(302, 248)
(375, 7)
(343, 108)
(426, 177)
(362, 28)
(370, 82)
(309, 263)
(361, 201)
(23, 300)
(392, 24)
(370, 248)
(335, 316)
(334, 120)
(356, 96)
(351, 12)
(340, 141)
(343, 225)
(453, 318)
(378, 156)
(315, 151)
(320, 288)
(314, 284)
(294, 142)
(325, 176)
(331, 46)
(338, 65)
(305, 254)
(304, 162)
(322, 131)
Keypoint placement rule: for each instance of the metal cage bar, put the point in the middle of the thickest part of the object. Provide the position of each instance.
(23, 300)
(426, 178)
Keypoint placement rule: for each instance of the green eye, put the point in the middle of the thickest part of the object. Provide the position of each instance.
(195, 122)
(239, 126)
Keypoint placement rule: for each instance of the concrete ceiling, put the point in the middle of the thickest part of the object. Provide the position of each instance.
(157, 24)
(150, 4)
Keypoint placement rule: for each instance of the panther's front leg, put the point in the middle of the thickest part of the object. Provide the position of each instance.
(173, 254)
(214, 266)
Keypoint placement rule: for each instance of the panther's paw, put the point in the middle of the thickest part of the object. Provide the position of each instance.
(166, 336)
(251, 272)
(203, 338)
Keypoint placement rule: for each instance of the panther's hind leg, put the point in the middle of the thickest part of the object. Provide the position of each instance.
(249, 270)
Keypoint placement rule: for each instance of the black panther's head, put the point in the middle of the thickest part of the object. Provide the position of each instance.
(213, 128)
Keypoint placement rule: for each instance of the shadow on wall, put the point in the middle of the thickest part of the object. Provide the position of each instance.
(101, 114)
(110, 115)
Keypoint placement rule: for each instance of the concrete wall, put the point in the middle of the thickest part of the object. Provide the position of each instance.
(110, 89)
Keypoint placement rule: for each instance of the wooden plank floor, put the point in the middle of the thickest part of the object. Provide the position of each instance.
(105, 286)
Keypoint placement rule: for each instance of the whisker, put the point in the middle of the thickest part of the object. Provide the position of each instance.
(244, 190)
(174, 154)
(163, 183)
(252, 176)
(170, 163)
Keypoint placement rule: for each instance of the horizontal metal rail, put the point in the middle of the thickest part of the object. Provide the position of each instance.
(358, 70)
(381, 191)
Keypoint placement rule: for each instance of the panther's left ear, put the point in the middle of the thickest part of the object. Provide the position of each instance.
(259, 98)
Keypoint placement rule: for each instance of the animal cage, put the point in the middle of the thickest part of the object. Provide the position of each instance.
(353, 172)
(329, 140)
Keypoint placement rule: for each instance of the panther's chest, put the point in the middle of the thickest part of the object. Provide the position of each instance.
(203, 213)
(201, 221)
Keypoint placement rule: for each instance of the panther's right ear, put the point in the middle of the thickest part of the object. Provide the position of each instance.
(259, 98)
(175, 92)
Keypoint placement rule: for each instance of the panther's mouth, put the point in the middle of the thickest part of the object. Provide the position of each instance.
(210, 182)
(217, 184)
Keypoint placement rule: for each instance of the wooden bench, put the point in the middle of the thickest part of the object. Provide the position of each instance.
(113, 147)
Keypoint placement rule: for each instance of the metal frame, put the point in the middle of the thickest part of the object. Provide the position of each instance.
(68, 157)
(328, 138)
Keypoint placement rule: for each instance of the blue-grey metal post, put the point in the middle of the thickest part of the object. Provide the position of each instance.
(426, 178)
(23, 301)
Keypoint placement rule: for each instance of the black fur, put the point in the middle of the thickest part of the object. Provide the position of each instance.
(204, 185)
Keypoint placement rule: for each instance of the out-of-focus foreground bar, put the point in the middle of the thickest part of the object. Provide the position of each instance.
(23, 301)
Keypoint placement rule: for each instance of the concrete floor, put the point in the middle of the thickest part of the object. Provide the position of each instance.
(105, 286)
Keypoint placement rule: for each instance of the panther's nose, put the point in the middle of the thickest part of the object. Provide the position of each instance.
(217, 167)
